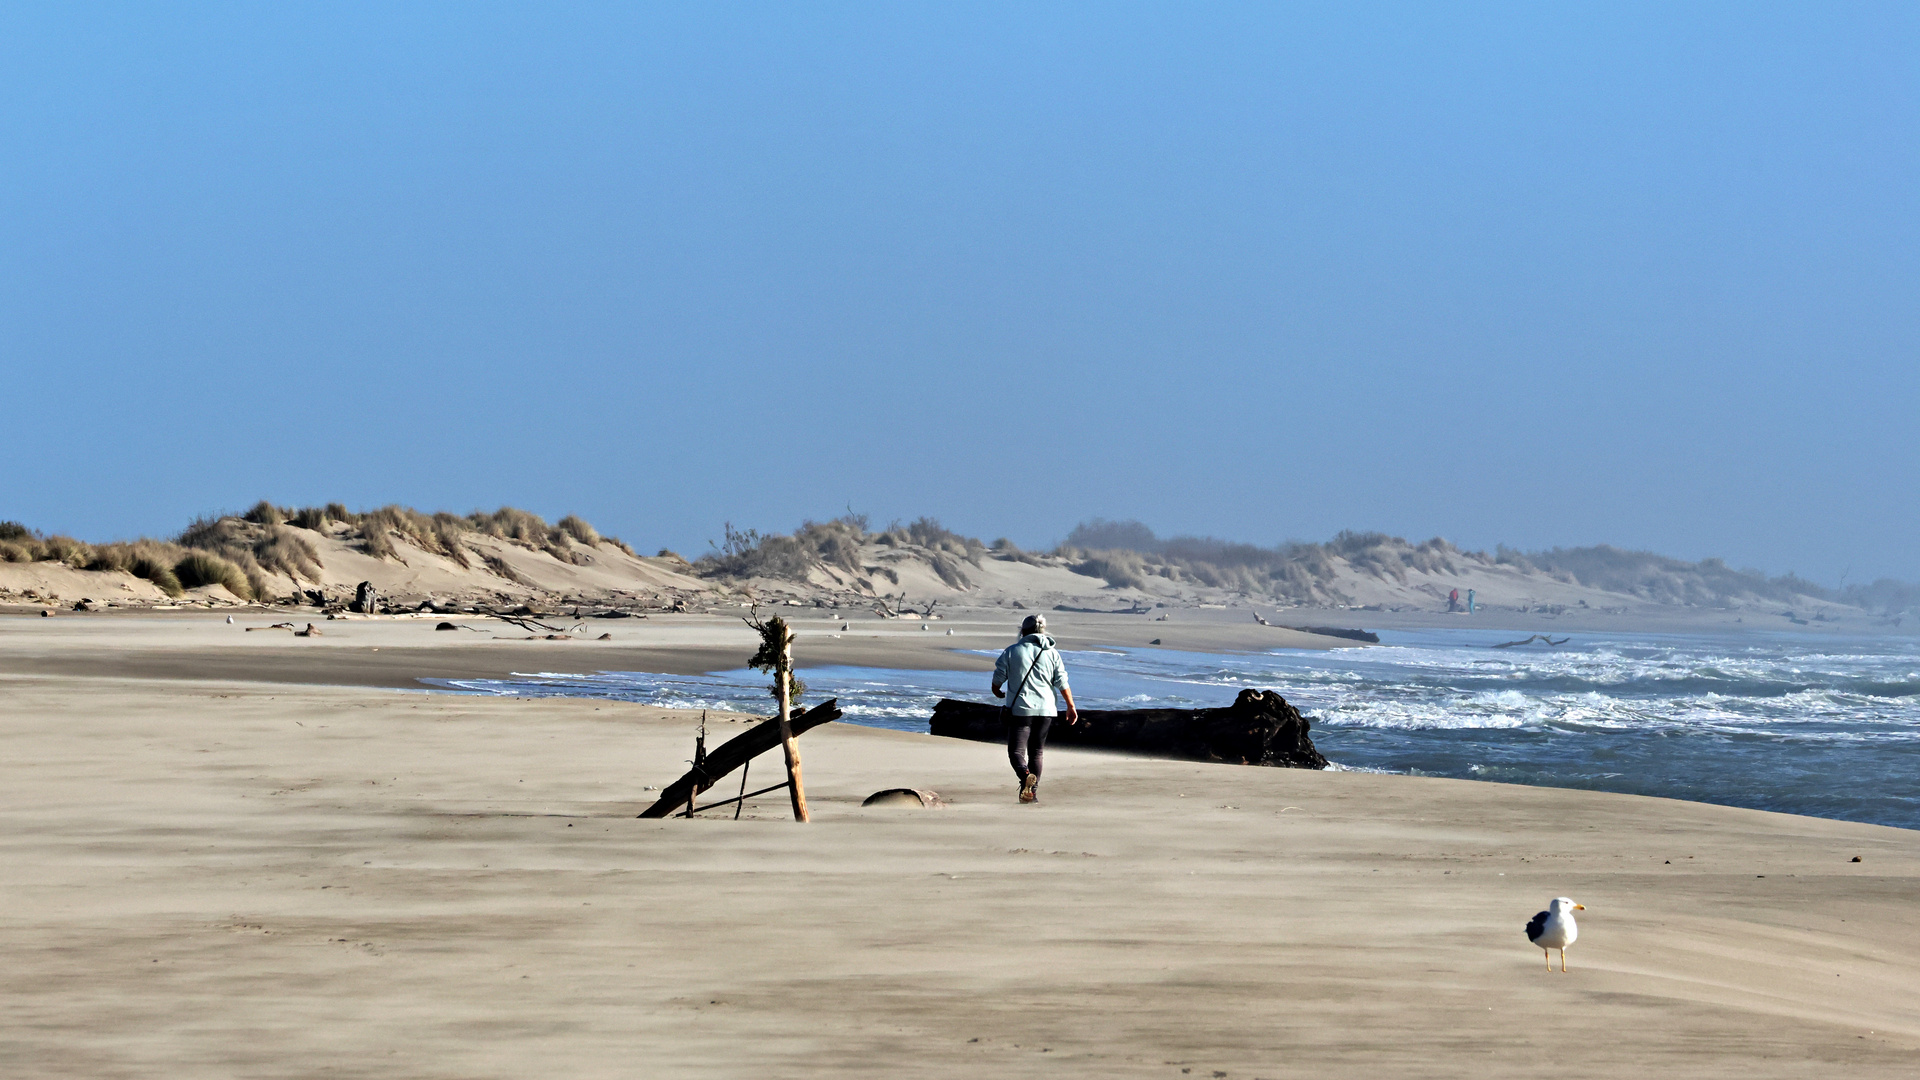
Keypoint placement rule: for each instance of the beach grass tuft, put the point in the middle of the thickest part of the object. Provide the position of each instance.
(200, 568)
(579, 530)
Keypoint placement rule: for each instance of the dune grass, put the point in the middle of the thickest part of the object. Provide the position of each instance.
(1127, 554)
(838, 543)
(571, 540)
(154, 560)
(250, 554)
(198, 568)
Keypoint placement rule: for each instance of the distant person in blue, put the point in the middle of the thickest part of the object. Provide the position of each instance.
(1032, 666)
(1469, 601)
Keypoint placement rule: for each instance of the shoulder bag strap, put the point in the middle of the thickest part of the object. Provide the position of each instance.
(1027, 678)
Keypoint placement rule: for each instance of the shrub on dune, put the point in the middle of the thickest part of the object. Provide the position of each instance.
(284, 551)
(378, 541)
(1122, 569)
(198, 568)
(447, 531)
(509, 523)
(143, 559)
(259, 550)
(154, 568)
(308, 517)
(579, 530)
(265, 513)
(65, 549)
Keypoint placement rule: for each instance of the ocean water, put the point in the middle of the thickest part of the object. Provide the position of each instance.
(1802, 724)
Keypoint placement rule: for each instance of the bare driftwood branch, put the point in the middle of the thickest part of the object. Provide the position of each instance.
(1544, 639)
(530, 624)
(736, 752)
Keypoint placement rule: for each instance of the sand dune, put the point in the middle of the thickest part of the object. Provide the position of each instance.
(1386, 585)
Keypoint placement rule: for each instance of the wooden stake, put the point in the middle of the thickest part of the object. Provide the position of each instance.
(783, 678)
(699, 760)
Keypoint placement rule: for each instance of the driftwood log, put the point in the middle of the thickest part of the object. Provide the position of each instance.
(737, 751)
(1259, 728)
(1367, 636)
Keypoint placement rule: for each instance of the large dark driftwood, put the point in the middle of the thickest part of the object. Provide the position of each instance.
(1367, 636)
(1259, 728)
(738, 750)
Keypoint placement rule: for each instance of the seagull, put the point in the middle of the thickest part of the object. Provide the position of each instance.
(1554, 929)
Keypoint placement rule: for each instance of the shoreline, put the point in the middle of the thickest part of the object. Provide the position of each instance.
(401, 650)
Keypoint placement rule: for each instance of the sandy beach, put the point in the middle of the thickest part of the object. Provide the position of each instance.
(228, 857)
(399, 651)
(1456, 450)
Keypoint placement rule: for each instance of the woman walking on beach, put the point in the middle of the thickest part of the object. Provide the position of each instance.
(1032, 666)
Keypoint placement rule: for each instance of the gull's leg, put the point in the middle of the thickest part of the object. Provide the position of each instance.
(1549, 955)
(1563, 961)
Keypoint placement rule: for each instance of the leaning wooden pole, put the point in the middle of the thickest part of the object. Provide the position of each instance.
(783, 678)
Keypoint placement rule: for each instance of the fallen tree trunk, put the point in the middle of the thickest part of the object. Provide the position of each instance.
(1259, 728)
(1367, 636)
(738, 750)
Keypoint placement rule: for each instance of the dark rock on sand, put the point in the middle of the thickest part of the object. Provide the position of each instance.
(907, 797)
(1259, 728)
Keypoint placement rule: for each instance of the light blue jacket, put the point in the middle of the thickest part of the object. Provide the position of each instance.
(1010, 671)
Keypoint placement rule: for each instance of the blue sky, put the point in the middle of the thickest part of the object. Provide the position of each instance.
(1533, 274)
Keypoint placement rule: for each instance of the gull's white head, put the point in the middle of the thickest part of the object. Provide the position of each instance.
(1563, 904)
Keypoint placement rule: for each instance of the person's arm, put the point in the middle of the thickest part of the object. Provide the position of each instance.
(1066, 692)
(1000, 676)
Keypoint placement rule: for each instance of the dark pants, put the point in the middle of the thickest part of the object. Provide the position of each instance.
(1026, 742)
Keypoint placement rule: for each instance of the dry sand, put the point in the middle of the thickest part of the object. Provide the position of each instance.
(228, 879)
(402, 650)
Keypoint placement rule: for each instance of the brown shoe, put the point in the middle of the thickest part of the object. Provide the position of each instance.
(1030, 791)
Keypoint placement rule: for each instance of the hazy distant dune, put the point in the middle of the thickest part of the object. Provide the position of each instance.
(286, 555)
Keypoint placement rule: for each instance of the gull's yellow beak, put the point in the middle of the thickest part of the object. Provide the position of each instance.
(1579, 907)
